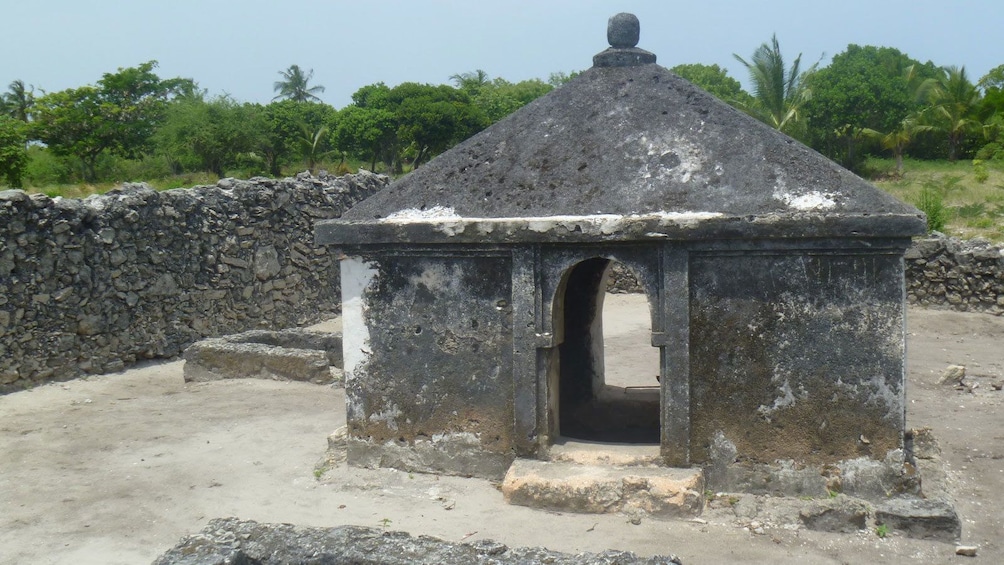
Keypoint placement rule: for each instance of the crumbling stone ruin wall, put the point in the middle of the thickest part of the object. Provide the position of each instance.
(965, 275)
(941, 272)
(91, 286)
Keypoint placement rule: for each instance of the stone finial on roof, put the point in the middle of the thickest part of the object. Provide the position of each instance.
(623, 31)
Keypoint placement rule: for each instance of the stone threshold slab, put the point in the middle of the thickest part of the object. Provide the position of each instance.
(598, 489)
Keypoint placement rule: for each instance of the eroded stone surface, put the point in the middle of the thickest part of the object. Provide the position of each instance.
(94, 285)
(230, 541)
(926, 519)
(293, 354)
(599, 489)
(840, 514)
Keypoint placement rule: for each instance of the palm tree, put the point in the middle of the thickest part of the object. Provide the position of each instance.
(18, 101)
(470, 82)
(953, 103)
(898, 139)
(778, 92)
(294, 85)
(310, 143)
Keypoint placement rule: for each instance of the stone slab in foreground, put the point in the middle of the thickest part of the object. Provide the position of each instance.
(230, 541)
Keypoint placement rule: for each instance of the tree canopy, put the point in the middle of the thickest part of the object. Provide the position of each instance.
(120, 114)
(868, 100)
(715, 80)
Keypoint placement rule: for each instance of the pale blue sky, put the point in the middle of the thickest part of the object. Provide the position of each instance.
(238, 47)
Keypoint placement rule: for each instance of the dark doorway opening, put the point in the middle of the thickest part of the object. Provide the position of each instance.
(588, 407)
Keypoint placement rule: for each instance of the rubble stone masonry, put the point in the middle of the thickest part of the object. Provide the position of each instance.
(94, 285)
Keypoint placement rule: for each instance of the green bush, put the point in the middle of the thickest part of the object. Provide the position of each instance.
(44, 168)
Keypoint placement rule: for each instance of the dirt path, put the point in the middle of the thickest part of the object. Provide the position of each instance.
(115, 469)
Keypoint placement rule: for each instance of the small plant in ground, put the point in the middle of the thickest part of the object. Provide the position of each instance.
(980, 171)
(385, 523)
(882, 530)
(932, 203)
(832, 493)
(974, 210)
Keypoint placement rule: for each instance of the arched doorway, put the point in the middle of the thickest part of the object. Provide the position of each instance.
(600, 391)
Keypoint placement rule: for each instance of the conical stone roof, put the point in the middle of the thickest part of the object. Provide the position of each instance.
(627, 150)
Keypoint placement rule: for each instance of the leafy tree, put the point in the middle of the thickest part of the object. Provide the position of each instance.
(372, 96)
(561, 77)
(72, 123)
(295, 85)
(119, 115)
(779, 92)
(716, 81)
(18, 101)
(433, 118)
(954, 102)
(426, 120)
(286, 121)
(13, 156)
(993, 79)
(864, 89)
(368, 132)
(210, 135)
(498, 98)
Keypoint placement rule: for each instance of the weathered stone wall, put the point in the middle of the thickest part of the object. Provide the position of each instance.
(966, 275)
(94, 285)
(941, 272)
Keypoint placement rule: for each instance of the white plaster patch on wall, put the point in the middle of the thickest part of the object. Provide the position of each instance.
(437, 278)
(801, 199)
(596, 223)
(691, 160)
(388, 416)
(814, 200)
(590, 224)
(465, 439)
(685, 219)
(784, 400)
(884, 395)
(357, 275)
(413, 214)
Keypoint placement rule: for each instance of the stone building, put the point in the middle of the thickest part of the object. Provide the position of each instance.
(473, 288)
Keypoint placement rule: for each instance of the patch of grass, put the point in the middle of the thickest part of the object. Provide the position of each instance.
(882, 530)
(974, 210)
(953, 195)
(186, 180)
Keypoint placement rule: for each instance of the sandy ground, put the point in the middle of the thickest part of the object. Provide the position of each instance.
(115, 469)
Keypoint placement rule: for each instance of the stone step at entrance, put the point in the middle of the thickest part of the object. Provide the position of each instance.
(605, 478)
(601, 453)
